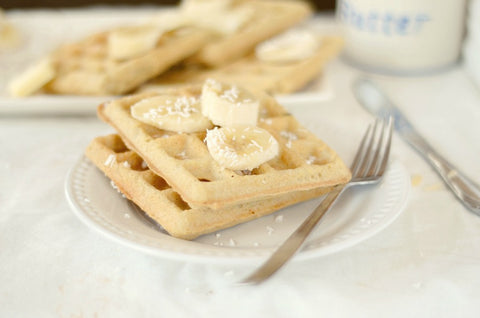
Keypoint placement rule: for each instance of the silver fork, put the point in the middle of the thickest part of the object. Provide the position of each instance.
(368, 167)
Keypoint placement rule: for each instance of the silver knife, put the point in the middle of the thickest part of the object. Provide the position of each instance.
(373, 99)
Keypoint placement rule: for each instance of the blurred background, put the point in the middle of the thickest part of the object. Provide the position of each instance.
(320, 5)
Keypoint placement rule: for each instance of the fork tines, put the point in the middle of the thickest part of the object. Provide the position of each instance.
(372, 156)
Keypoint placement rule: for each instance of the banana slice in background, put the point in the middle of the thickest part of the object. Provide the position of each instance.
(222, 16)
(291, 46)
(241, 147)
(33, 79)
(130, 42)
(228, 105)
(173, 113)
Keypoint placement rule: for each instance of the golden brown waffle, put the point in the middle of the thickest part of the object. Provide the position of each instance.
(304, 162)
(270, 17)
(85, 67)
(279, 78)
(161, 203)
(275, 78)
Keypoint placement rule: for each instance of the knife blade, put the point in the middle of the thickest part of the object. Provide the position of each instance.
(372, 98)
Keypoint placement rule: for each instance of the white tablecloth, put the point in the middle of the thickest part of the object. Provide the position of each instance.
(425, 264)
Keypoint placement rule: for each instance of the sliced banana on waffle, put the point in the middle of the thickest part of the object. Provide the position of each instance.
(241, 147)
(173, 113)
(130, 42)
(33, 79)
(291, 46)
(228, 105)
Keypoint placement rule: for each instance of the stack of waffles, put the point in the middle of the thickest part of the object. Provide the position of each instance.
(200, 144)
(206, 157)
(259, 43)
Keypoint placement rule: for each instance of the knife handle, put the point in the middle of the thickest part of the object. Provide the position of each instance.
(373, 98)
(466, 190)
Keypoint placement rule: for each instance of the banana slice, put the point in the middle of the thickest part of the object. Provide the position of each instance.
(228, 105)
(241, 147)
(173, 113)
(291, 46)
(130, 42)
(32, 79)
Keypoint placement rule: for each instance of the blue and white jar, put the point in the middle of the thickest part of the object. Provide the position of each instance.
(402, 37)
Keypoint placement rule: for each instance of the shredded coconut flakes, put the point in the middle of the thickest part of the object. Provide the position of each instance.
(183, 107)
(311, 159)
(110, 160)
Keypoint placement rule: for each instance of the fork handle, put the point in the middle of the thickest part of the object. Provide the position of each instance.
(466, 190)
(294, 241)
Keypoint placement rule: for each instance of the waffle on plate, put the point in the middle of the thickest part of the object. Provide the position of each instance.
(303, 162)
(164, 205)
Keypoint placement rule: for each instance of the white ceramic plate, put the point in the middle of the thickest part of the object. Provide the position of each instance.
(52, 105)
(360, 213)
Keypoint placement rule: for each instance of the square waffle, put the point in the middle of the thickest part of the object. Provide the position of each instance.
(275, 78)
(304, 162)
(269, 17)
(86, 68)
(161, 203)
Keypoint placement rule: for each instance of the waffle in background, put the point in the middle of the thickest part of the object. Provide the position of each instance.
(87, 68)
(244, 25)
(275, 77)
(119, 60)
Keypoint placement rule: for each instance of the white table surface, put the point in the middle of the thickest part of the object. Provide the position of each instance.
(425, 264)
